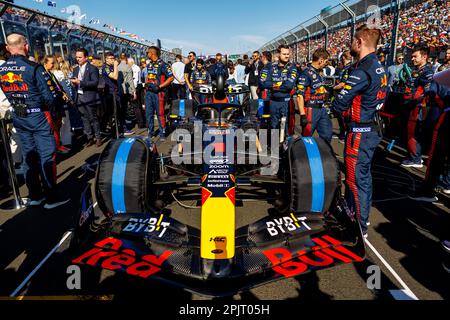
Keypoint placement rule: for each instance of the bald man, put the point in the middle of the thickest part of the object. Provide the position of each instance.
(29, 89)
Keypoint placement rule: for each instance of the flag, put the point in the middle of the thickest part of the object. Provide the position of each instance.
(51, 4)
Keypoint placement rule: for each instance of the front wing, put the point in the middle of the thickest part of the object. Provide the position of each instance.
(158, 247)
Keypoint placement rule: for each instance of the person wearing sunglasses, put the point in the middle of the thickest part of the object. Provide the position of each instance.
(394, 72)
(190, 67)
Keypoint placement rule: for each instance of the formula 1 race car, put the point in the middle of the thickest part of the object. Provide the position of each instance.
(221, 158)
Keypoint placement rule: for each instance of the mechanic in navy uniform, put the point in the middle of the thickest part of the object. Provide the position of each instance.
(29, 89)
(347, 64)
(154, 102)
(279, 78)
(438, 123)
(311, 96)
(199, 77)
(218, 68)
(415, 101)
(363, 96)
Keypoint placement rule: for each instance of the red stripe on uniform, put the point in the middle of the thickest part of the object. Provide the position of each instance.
(161, 115)
(351, 160)
(412, 125)
(52, 125)
(356, 110)
(433, 144)
(48, 117)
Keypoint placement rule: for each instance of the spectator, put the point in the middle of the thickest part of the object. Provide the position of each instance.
(231, 73)
(49, 63)
(190, 67)
(446, 64)
(394, 72)
(127, 93)
(254, 69)
(137, 104)
(86, 79)
(179, 82)
(240, 72)
(110, 75)
(5, 106)
(62, 73)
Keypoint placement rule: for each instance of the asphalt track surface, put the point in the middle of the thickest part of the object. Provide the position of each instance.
(404, 242)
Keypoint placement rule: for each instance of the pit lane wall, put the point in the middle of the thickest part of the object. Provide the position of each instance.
(51, 35)
(334, 27)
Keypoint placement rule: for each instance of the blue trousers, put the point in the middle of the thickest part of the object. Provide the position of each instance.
(319, 120)
(278, 110)
(359, 151)
(152, 106)
(39, 153)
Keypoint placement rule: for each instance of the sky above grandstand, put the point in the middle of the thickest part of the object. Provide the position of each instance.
(205, 26)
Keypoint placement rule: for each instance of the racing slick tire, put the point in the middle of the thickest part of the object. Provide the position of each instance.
(313, 175)
(125, 175)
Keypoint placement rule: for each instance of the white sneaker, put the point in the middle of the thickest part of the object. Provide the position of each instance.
(36, 203)
(366, 235)
(446, 191)
(51, 206)
(368, 223)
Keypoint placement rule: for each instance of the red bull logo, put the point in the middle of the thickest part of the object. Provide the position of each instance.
(11, 78)
(384, 81)
(321, 90)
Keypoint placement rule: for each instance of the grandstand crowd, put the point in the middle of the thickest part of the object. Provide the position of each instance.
(427, 22)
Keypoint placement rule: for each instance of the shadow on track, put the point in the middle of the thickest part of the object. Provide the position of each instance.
(414, 228)
(29, 236)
